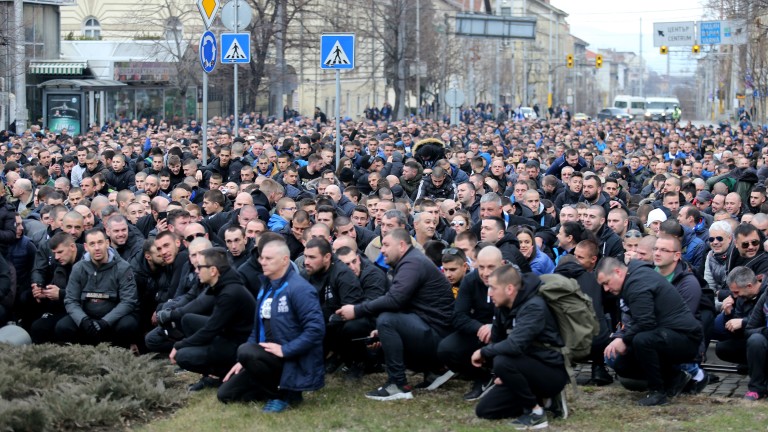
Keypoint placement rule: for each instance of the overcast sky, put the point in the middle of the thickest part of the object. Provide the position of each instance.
(616, 24)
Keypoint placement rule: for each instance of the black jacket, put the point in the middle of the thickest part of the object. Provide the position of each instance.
(427, 189)
(417, 287)
(249, 271)
(743, 308)
(610, 243)
(7, 225)
(653, 303)
(294, 245)
(364, 236)
(567, 197)
(473, 307)
(510, 251)
(336, 287)
(120, 180)
(758, 322)
(132, 247)
(232, 317)
(524, 328)
(373, 281)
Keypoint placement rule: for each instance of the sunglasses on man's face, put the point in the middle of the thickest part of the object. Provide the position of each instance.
(717, 238)
(753, 243)
(190, 238)
(458, 223)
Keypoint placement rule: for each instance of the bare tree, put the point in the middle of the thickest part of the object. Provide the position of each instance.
(271, 20)
(174, 44)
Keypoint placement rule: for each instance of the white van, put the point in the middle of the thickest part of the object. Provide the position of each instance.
(660, 108)
(632, 105)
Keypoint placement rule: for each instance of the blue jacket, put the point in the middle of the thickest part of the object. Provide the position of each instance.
(298, 326)
(560, 163)
(542, 263)
(276, 222)
(694, 248)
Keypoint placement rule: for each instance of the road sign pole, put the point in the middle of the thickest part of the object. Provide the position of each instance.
(204, 120)
(338, 116)
(237, 28)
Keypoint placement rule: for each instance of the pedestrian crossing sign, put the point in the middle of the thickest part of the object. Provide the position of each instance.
(235, 48)
(337, 51)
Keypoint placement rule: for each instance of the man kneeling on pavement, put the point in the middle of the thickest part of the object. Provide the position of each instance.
(659, 331)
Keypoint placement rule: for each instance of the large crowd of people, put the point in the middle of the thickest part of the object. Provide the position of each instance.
(419, 246)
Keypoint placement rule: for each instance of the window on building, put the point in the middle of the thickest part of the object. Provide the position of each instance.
(174, 29)
(92, 28)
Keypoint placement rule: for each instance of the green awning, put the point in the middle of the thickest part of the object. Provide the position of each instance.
(57, 68)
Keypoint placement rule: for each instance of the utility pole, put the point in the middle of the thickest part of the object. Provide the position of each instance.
(642, 69)
(21, 77)
(276, 88)
(418, 56)
(549, 61)
(373, 53)
(497, 77)
(400, 109)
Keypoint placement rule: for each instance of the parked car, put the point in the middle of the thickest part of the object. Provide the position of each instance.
(581, 117)
(528, 113)
(612, 113)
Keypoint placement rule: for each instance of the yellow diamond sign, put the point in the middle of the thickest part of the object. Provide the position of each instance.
(208, 10)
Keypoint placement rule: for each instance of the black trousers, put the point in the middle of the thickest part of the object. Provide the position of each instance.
(757, 354)
(123, 333)
(157, 341)
(525, 382)
(339, 335)
(732, 350)
(259, 379)
(455, 352)
(43, 330)
(655, 356)
(407, 341)
(216, 359)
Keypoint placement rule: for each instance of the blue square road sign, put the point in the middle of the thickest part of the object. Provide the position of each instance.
(235, 48)
(337, 51)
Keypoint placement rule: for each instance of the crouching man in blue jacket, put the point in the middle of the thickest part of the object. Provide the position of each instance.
(282, 357)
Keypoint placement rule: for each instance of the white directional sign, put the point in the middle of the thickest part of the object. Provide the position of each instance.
(208, 10)
(235, 48)
(674, 34)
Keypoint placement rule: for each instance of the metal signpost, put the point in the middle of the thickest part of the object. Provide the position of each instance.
(454, 98)
(337, 51)
(236, 47)
(208, 10)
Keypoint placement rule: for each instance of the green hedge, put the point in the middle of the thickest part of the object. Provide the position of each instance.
(54, 388)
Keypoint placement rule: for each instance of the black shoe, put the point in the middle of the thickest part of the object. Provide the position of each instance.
(713, 379)
(530, 421)
(479, 389)
(390, 391)
(678, 384)
(696, 387)
(654, 398)
(353, 372)
(332, 364)
(204, 383)
(600, 376)
(742, 369)
(559, 406)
